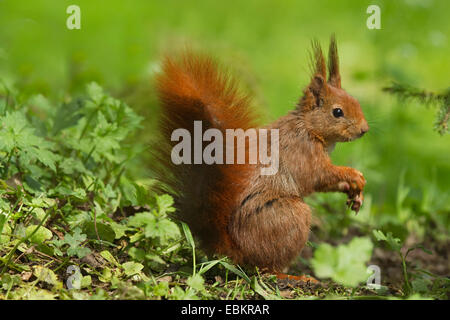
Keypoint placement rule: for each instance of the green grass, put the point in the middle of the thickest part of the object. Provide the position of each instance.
(74, 184)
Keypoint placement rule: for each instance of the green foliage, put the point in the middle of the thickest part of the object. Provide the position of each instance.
(40, 235)
(131, 268)
(346, 263)
(46, 275)
(407, 93)
(423, 282)
(394, 243)
(64, 167)
(73, 178)
(196, 282)
(153, 227)
(74, 241)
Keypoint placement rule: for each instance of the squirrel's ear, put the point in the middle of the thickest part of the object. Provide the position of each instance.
(334, 77)
(318, 89)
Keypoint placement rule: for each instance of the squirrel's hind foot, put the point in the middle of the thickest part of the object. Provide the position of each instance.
(301, 278)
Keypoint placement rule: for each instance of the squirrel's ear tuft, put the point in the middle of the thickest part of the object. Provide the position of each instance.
(334, 77)
(318, 65)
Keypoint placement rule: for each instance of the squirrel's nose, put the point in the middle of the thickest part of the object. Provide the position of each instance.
(364, 128)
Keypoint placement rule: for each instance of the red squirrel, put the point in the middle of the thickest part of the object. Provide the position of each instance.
(232, 209)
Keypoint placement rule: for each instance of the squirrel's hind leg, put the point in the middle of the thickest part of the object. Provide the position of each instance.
(270, 232)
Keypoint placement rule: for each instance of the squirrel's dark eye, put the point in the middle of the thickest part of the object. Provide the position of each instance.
(337, 112)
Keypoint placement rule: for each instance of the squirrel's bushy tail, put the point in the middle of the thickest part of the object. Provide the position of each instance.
(191, 87)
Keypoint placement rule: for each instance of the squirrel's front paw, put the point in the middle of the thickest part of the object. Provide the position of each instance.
(353, 187)
(355, 203)
(356, 181)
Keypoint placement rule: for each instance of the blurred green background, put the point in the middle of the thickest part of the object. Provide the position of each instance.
(266, 43)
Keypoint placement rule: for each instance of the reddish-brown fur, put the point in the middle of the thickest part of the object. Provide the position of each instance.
(256, 220)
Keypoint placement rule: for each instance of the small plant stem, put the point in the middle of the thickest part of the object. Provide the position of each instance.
(117, 180)
(89, 154)
(8, 161)
(88, 122)
(193, 261)
(11, 253)
(405, 274)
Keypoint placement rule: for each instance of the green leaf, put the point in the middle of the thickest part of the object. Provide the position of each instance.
(345, 264)
(325, 261)
(70, 166)
(45, 249)
(12, 125)
(33, 294)
(255, 285)
(161, 289)
(236, 271)
(105, 231)
(63, 191)
(207, 265)
(42, 103)
(74, 241)
(40, 235)
(39, 213)
(106, 275)
(188, 235)
(179, 294)
(421, 285)
(196, 282)
(395, 244)
(43, 202)
(80, 252)
(95, 92)
(47, 157)
(155, 258)
(131, 268)
(165, 204)
(109, 257)
(5, 230)
(47, 275)
(7, 142)
(86, 281)
(8, 281)
(67, 115)
(32, 185)
(137, 236)
(141, 219)
(137, 254)
(162, 229)
(119, 229)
